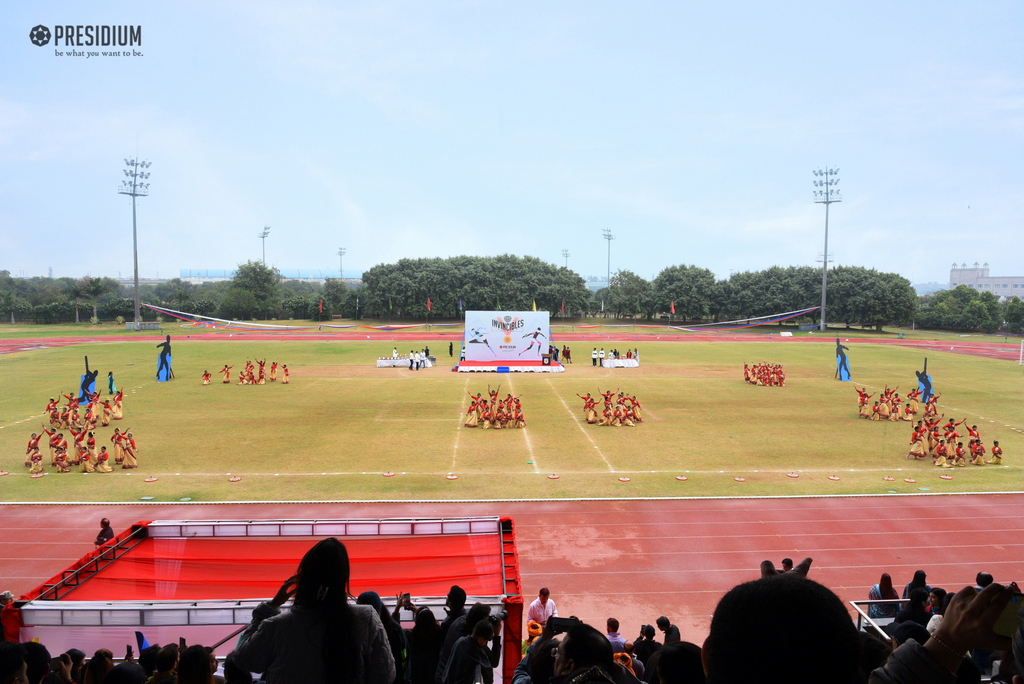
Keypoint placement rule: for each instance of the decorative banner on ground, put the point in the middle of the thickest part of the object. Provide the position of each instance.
(924, 382)
(842, 363)
(507, 335)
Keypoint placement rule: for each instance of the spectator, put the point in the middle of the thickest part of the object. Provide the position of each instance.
(585, 655)
(10, 624)
(147, 659)
(126, 673)
(425, 642)
(880, 591)
(982, 580)
(106, 533)
(645, 645)
(396, 637)
(787, 564)
(967, 624)
(638, 667)
(917, 583)
(455, 606)
(670, 630)
(165, 662)
(542, 608)
(915, 610)
(462, 627)
(194, 666)
(616, 640)
(762, 631)
(99, 665)
(77, 663)
(873, 652)
(234, 674)
(680, 663)
(936, 597)
(471, 661)
(936, 618)
(322, 634)
(37, 661)
(13, 667)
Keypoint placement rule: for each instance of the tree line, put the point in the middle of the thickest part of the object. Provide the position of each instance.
(401, 290)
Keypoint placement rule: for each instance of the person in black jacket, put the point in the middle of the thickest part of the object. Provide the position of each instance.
(425, 643)
(471, 660)
(455, 606)
(461, 627)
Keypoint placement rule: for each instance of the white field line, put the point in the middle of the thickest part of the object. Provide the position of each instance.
(580, 426)
(526, 435)
(458, 429)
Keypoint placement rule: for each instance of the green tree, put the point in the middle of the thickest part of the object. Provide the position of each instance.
(95, 288)
(238, 304)
(629, 293)
(264, 284)
(691, 288)
(1013, 314)
(74, 292)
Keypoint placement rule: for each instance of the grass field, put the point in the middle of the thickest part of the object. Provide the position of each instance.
(341, 423)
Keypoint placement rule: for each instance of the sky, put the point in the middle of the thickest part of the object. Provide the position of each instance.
(411, 129)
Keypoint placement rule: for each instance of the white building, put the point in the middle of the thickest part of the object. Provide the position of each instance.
(977, 277)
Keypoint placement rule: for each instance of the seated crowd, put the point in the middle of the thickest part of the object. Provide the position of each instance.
(782, 627)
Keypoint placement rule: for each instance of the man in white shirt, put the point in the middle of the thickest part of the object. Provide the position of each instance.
(593, 357)
(394, 353)
(542, 608)
(600, 356)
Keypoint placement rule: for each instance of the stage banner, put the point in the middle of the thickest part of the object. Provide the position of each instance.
(507, 335)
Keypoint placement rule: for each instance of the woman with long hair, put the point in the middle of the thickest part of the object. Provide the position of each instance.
(322, 639)
(99, 665)
(194, 666)
(919, 582)
(425, 642)
(883, 590)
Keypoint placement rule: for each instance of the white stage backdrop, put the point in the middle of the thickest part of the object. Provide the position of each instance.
(507, 335)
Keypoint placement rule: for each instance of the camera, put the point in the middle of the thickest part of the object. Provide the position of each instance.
(495, 618)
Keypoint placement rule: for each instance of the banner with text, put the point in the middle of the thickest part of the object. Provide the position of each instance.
(507, 335)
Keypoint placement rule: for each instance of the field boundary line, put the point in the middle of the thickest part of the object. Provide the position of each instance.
(458, 429)
(580, 426)
(529, 447)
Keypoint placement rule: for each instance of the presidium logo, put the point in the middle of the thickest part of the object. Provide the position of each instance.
(72, 36)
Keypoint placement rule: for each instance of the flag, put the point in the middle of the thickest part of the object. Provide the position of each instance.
(638, 306)
(321, 306)
(534, 304)
(563, 307)
(673, 307)
(499, 306)
(602, 305)
(460, 303)
(357, 303)
(389, 304)
(428, 303)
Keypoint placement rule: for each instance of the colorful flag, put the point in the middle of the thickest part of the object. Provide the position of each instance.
(428, 303)
(673, 307)
(602, 305)
(638, 306)
(499, 306)
(534, 304)
(357, 303)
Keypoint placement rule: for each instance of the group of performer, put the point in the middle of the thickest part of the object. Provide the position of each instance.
(619, 409)
(890, 407)
(764, 374)
(82, 451)
(490, 412)
(943, 444)
(251, 373)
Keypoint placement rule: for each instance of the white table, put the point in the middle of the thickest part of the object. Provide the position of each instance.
(620, 363)
(401, 362)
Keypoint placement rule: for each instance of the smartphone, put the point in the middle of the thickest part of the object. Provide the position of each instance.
(181, 645)
(405, 597)
(1006, 624)
(560, 624)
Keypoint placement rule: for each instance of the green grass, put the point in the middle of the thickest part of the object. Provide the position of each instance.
(344, 417)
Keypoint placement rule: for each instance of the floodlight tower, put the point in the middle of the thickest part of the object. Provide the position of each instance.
(134, 187)
(263, 236)
(826, 195)
(341, 263)
(606, 233)
(566, 254)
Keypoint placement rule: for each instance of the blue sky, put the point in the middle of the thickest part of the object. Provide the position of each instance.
(434, 129)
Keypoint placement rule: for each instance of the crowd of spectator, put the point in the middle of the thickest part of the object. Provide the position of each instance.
(782, 627)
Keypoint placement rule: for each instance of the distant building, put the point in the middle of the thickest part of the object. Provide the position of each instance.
(977, 277)
(198, 276)
(923, 289)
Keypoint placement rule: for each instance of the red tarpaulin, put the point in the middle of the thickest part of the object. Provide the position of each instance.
(238, 568)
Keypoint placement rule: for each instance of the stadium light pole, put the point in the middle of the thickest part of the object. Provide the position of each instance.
(606, 233)
(134, 187)
(566, 254)
(826, 195)
(341, 263)
(263, 236)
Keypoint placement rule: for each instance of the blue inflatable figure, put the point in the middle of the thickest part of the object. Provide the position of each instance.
(842, 363)
(924, 383)
(88, 386)
(163, 368)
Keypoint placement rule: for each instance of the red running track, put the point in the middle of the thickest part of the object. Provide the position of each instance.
(633, 560)
(994, 350)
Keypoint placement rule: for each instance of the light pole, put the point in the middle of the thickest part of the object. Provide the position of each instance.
(263, 236)
(606, 233)
(134, 187)
(827, 195)
(341, 263)
(566, 254)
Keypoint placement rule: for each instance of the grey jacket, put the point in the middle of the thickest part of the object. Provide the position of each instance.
(911, 663)
(286, 647)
